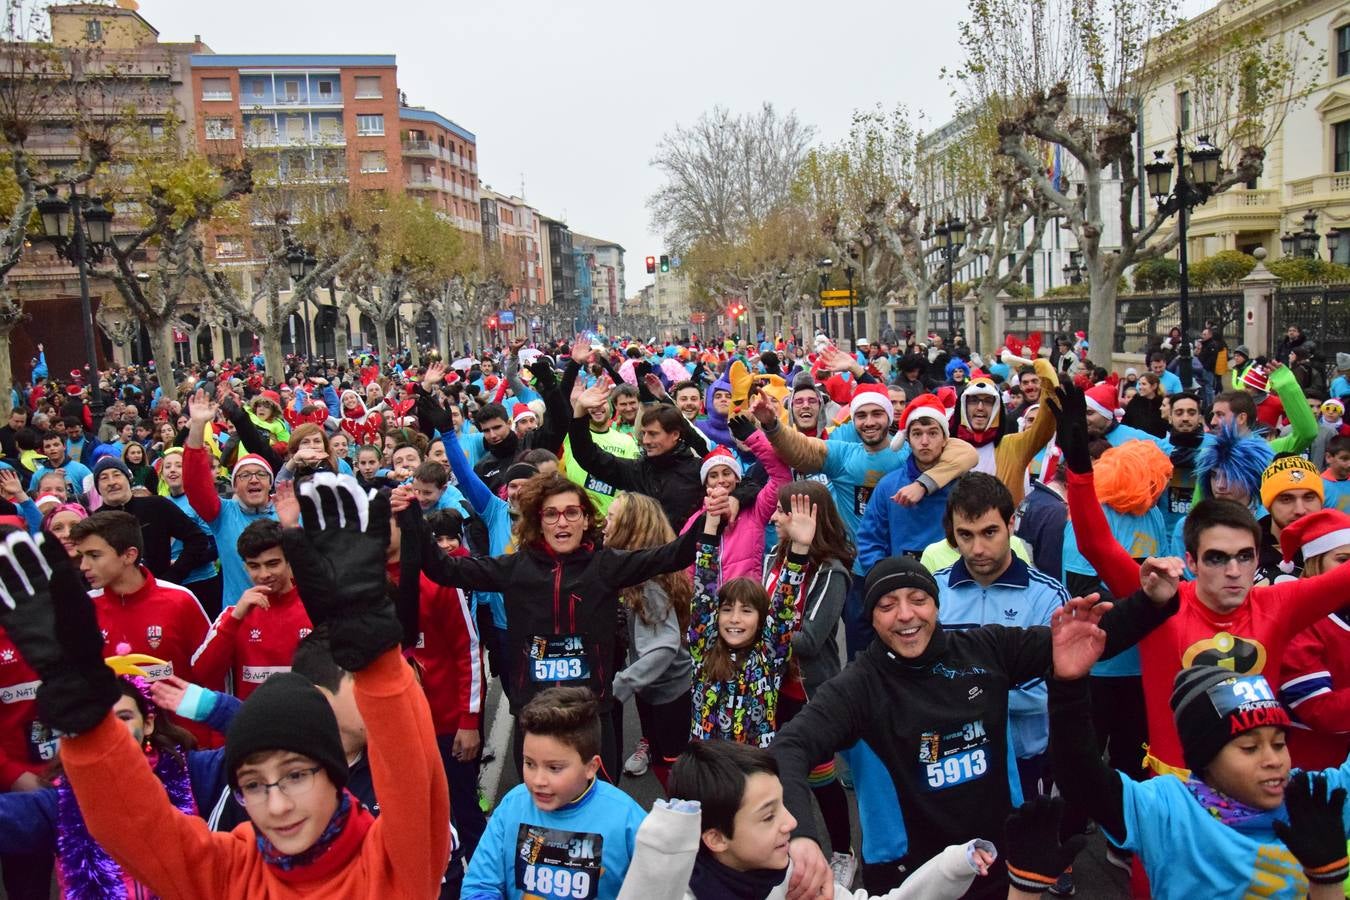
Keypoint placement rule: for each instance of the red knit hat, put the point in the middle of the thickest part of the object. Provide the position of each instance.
(1314, 534)
(719, 457)
(1103, 399)
(1256, 378)
(926, 406)
(872, 394)
(520, 411)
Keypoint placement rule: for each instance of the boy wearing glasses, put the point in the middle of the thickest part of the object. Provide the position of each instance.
(1225, 618)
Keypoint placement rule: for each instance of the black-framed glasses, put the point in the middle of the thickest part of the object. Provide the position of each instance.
(570, 514)
(292, 784)
(1217, 559)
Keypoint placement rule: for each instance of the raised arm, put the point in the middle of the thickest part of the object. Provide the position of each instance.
(623, 474)
(805, 454)
(198, 483)
(703, 605)
(766, 501)
(1302, 423)
(197, 547)
(475, 573)
(249, 436)
(1016, 450)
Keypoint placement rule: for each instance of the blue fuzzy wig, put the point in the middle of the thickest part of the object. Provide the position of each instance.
(1239, 459)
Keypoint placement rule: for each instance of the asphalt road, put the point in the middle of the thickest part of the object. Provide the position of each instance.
(1095, 878)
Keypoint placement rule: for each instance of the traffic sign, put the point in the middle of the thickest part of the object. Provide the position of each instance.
(835, 301)
(698, 318)
(835, 295)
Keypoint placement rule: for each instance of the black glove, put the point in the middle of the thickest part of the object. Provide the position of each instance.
(50, 618)
(1035, 854)
(545, 377)
(338, 559)
(1316, 830)
(435, 414)
(741, 427)
(1071, 434)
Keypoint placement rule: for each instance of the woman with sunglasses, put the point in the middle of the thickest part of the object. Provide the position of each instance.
(561, 592)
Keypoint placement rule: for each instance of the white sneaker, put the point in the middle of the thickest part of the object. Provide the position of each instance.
(638, 763)
(845, 867)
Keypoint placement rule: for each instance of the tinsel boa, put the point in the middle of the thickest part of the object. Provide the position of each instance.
(87, 872)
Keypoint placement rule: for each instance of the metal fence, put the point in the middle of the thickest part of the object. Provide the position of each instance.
(1048, 317)
(1322, 311)
(1141, 319)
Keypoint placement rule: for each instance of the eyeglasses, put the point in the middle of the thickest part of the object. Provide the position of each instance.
(292, 784)
(253, 475)
(1217, 559)
(551, 515)
(980, 400)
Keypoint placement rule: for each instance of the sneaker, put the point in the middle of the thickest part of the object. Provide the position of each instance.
(1121, 859)
(1063, 886)
(641, 759)
(845, 867)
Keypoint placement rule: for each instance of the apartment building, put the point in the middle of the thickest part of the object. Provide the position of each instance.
(513, 225)
(605, 261)
(440, 166)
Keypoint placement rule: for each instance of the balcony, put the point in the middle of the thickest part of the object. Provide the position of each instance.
(420, 182)
(270, 139)
(1332, 186)
(422, 148)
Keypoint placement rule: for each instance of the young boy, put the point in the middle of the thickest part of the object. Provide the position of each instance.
(563, 832)
(256, 638)
(285, 760)
(743, 835)
(1336, 477)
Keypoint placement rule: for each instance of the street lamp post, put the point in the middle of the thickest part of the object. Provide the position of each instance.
(852, 324)
(80, 230)
(301, 263)
(1073, 270)
(823, 266)
(1195, 184)
(951, 236)
(1305, 242)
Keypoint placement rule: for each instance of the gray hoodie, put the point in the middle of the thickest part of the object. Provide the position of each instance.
(659, 668)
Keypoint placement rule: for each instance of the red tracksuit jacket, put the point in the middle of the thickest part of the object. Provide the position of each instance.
(449, 653)
(1316, 689)
(25, 744)
(252, 649)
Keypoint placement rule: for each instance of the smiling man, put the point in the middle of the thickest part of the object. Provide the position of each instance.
(934, 704)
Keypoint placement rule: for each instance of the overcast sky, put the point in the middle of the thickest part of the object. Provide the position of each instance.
(573, 97)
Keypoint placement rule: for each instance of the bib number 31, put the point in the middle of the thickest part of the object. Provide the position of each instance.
(957, 769)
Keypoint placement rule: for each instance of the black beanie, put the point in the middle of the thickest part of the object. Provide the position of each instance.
(1212, 705)
(286, 712)
(519, 470)
(892, 574)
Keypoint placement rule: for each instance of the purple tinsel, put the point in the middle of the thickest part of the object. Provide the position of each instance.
(87, 871)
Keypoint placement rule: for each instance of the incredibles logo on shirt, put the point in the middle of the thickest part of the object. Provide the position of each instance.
(1237, 654)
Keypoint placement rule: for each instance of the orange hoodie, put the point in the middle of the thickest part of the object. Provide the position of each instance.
(404, 854)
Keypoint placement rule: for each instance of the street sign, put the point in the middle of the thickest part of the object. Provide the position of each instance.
(698, 318)
(835, 295)
(507, 317)
(835, 301)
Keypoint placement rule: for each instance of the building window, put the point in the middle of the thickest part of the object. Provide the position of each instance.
(1343, 51)
(368, 87)
(229, 247)
(219, 129)
(1184, 110)
(373, 161)
(256, 87)
(1341, 141)
(326, 90)
(370, 125)
(93, 30)
(216, 89)
(290, 92)
(329, 128)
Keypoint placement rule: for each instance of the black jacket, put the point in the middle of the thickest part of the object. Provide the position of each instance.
(162, 521)
(550, 599)
(671, 478)
(939, 723)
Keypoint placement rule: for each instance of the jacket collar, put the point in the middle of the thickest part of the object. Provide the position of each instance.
(1015, 577)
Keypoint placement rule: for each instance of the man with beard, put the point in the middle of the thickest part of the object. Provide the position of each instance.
(1185, 431)
(1291, 488)
(854, 469)
(501, 444)
(1103, 424)
(1004, 451)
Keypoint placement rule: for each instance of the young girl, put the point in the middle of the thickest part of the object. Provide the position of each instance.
(309, 451)
(659, 668)
(142, 473)
(738, 642)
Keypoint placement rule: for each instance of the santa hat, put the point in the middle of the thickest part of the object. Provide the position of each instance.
(1314, 534)
(1256, 378)
(1102, 399)
(720, 457)
(872, 394)
(250, 461)
(926, 406)
(520, 411)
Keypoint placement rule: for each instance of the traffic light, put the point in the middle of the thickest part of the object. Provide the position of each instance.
(736, 310)
(651, 265)
(665, 263)
(492, 322)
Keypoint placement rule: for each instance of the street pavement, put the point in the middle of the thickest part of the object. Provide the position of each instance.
(1096, 879)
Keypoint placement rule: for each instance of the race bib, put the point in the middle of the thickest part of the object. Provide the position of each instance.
(956, 757)
(860, 497)
(42, 743)
(596, 486)
(558, 658)
(1179, 499)
(552, 864)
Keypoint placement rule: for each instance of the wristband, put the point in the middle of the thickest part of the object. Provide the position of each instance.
(197, 703)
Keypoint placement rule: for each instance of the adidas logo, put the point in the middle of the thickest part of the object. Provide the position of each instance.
(1010, 614)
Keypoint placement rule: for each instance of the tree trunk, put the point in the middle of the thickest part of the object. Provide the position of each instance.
(341, 338)
(986, 309)
(6, 375)
(273, 358)
(162, 345)
(382, 342)
(921, 318)
(1102, 320)
(414, 348)
(443, 339)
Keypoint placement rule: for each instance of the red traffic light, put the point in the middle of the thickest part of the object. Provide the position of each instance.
(651, 265)
(492, 321)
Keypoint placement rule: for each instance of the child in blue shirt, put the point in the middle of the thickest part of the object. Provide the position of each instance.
(563, 833)
(1237, 825)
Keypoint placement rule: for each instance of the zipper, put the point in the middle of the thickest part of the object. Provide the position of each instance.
(557, 592)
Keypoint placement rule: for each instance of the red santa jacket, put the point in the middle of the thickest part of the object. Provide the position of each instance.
(252, 649)
(449, 653)
(25, 744)
(1316, 688)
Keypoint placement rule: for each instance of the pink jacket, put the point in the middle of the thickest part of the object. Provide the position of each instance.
(743, 542)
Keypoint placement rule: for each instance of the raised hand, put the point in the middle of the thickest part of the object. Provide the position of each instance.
(1160, 577)
(654, 384)
(837, 360)
(434, 375)
(338, 559)
(10, 488)
(1077, 640)
(741, 427)
(1316, 830)
(46, 612)
(581, 350)
(593, 397)
(801, 525)
(762, 407)
(1071, 434)
(286, 506)
(201, 409)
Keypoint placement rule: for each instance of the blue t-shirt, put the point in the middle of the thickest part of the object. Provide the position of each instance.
(579, 851)
(853, 474)
(1336, 495)
(1340, 386)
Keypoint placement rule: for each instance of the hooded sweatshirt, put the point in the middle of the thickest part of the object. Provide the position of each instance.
(714, 425)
